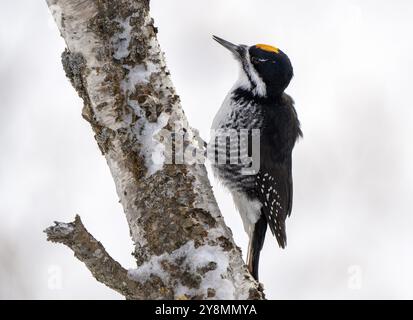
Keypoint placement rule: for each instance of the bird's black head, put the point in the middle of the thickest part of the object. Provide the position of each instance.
(273, 66)
(266, 70)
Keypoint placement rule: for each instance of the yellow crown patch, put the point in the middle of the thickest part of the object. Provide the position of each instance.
(268, 48)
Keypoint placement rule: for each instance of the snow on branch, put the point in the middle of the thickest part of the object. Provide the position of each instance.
(183, 248)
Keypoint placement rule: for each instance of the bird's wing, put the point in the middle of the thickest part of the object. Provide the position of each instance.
(274, 188)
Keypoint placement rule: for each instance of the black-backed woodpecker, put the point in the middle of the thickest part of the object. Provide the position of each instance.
(258, 101)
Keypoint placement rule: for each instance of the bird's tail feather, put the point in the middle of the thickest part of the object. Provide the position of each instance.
(255, 246)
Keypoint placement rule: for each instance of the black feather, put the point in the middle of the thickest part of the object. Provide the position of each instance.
(274, 182)
(257, 242)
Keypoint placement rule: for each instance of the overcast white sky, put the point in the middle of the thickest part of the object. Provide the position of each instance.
(350, 234)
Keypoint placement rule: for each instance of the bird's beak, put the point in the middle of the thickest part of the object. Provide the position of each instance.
(236, 50)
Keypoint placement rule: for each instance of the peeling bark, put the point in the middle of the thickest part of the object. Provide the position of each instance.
(183, 248)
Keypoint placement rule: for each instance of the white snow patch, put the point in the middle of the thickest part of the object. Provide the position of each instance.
(122, 40)
(64, 228)
(138, 75)
(152, 149)
(237, 268)
(194, 258)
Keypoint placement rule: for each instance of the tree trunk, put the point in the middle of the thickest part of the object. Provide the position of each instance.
(183, 248)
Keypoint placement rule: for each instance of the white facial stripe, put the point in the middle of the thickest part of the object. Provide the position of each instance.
(260, 87)
(243, 81)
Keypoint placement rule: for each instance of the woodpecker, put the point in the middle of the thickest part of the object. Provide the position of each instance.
(258, 101)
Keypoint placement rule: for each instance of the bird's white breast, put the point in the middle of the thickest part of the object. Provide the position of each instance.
(233, 115)
(223, 112)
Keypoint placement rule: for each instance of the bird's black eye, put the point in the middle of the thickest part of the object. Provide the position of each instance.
(255, 60)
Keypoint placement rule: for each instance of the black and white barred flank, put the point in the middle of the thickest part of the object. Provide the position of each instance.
(272, 187)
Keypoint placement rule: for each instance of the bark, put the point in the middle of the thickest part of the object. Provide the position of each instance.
(183, 248)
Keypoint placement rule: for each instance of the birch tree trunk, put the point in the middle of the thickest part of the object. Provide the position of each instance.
(183, 248)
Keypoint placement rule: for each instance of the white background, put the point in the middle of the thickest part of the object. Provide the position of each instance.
(350, 234)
